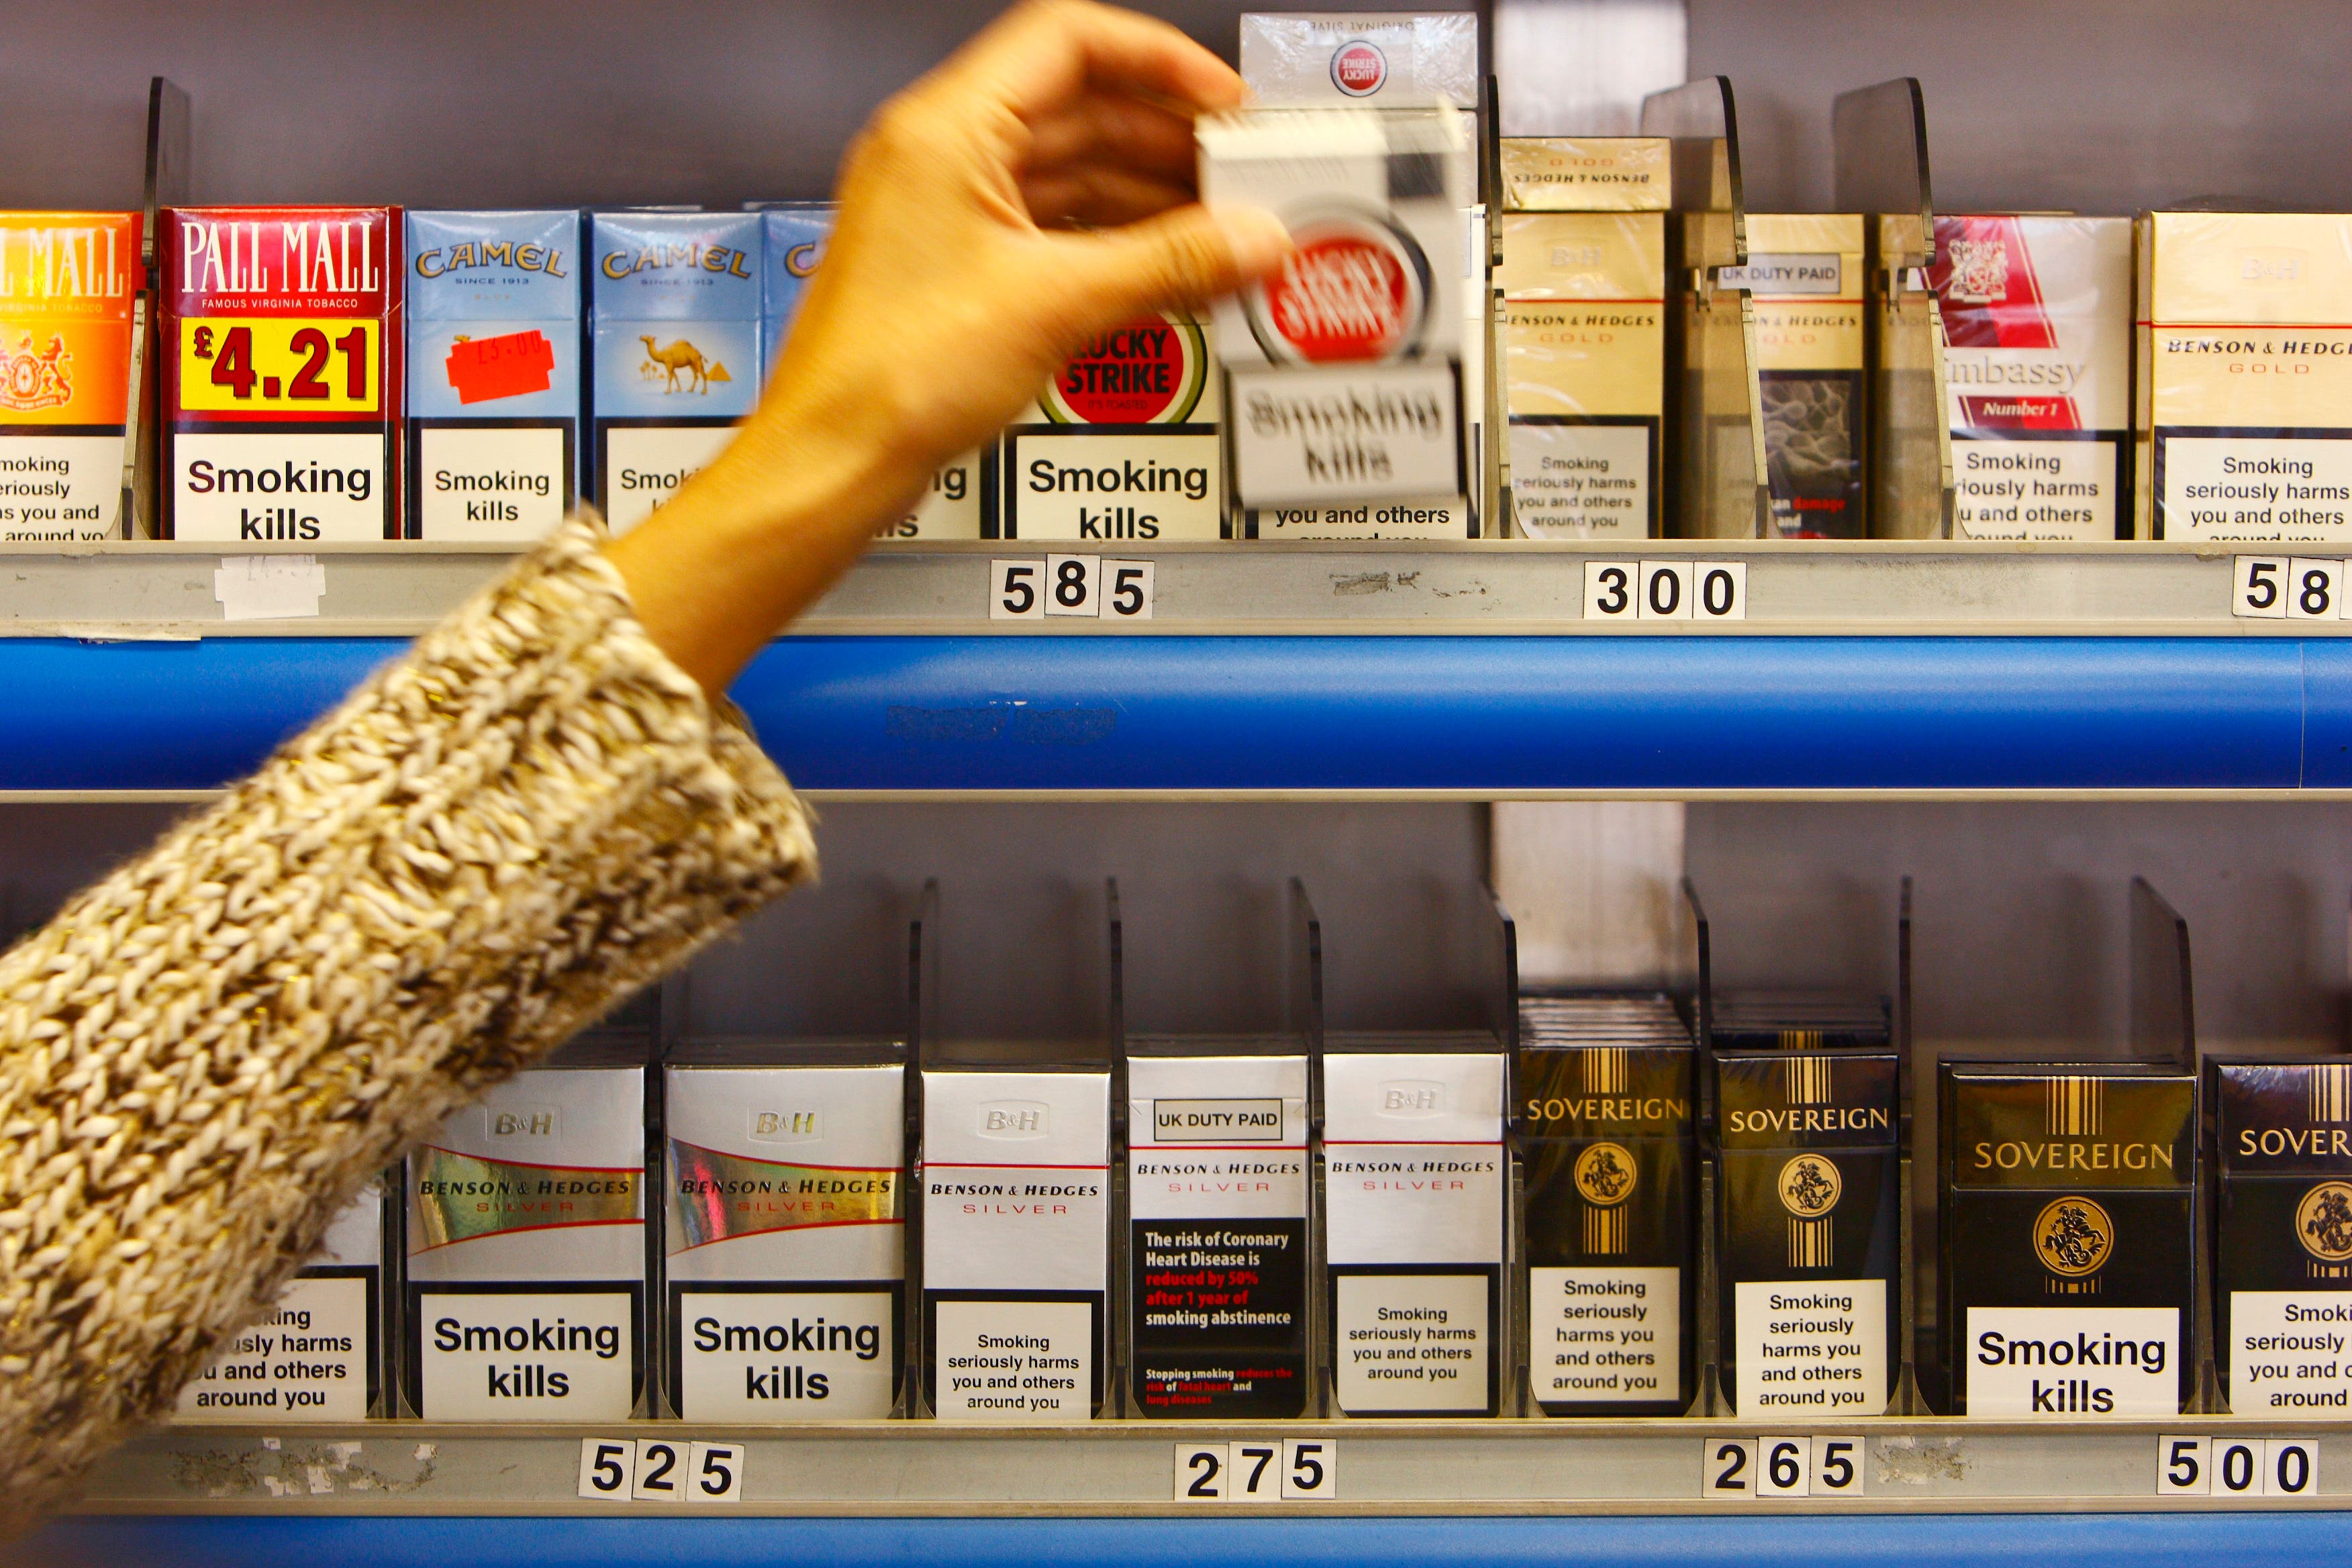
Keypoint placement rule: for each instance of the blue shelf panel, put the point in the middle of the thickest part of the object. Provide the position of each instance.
(1901, 1541)
(1487, 714)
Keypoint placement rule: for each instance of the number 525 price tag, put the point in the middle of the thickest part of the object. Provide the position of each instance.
(1088, 588)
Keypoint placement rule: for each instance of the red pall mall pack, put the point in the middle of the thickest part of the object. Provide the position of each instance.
(281, 347)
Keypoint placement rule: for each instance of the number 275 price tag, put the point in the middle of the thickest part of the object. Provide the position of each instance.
(1088, 588)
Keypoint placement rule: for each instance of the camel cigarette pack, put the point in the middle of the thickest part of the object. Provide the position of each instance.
(2245, 376)
(1804, 275)
(785, 1237)
(1604, 1094)
(494, 385)
(69, 286)
(1413, 1224)
(282, 344)
(1216, 1165)
(1123, 444)
(1808, 1245)
(1340, 58)
(1343, 372)
(674, 350)
(2037, 313)
(2068, 1263)
(2283, 1235)
(1016, 1243)
(1584, 357)
(526, 1287)
(318, 1354)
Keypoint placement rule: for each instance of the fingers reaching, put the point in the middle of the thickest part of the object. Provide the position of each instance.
(1181, 258)
(1046, 53)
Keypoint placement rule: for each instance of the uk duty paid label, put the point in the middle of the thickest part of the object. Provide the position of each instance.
(302, 485)
(2046, 489)
(60, 488)
(1812, 1347)
(1318, 437)
(786, 1355)
(1603, 1336)
(2223, 485)
(1579, 479)
(2072, 1363)
(307, 1360)
(1013, 1361)
(2290, 1352)
(1419, 1343)
(1146, 482)
(526, 1355)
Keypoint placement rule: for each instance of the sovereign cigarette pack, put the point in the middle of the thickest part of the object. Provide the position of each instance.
(1808, 1232)
(282, 344)
(525, 1286)
(1412, 1129)
(2037, 313)
(69, 286)
(2245, 376)
(1584, 348)
(1016, 1240)
(785, 1187)
(1216, 1163)
(1804, 275)
(1123, 444)
(1384, 60)
(494, 385)
(1344, 387)
(2066, 1253)
(675, 349)
(1606, 1096)
(2283, 1235)
(318, 1354)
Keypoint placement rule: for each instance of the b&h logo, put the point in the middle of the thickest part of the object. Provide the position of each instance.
(2073, 1107)
(1810, 1187)
(1605, 1176)
(2323, 1224)
(2074, 1239)
(1412, 1096)
(785, 1126)
(522, 1122)
(1011, 1119)
(1602, 1069)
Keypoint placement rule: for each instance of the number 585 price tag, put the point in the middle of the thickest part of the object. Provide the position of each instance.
(1089, 587)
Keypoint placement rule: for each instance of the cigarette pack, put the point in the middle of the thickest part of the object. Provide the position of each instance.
(1804, 275)
(69, 286)
(1344, 384)
(2067, 1256)
(1412, 1129)
(1216, 1164)
(2037, 313)
(282, 348)
(1384, 60)
(2245, 376)
(525, 1297)
(1016, 1242)
(2283, 1235)
(494, 386)
(786, 1233)
(1586, 174)
(675, 349)
(1808, 1232)
(1604, 1095)
(318, 1354)
(1123, 444)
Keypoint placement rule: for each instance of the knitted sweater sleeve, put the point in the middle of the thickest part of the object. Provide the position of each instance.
(203, 1056)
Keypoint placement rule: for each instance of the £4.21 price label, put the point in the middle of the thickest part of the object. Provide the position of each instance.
(279, 364)
(1089, 587)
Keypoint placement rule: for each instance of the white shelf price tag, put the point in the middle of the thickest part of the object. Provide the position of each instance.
(661, 1470)
(2290, 1466)
(1719, 591)
(1201, 1472)
(1310, 1469)
(1072, 584)
(1609, 589)
(2314, 590)
(1665, 591)
(1086, 586)
(608, 1469)
(1258, 1469)
(1838, 1468)
(1784, 1467)
(2184, 1466)
(1126, 590)
(714, 1472)
(1254, 1470)
(1016, 590)
(1727, 1468)
(2259, 588)
(2242, 1467)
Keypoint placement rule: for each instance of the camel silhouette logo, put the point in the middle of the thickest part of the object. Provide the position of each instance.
(2073, 1237)
(669, 362)
(1809, 1186)
(2322, 1222)
(1605, 1175)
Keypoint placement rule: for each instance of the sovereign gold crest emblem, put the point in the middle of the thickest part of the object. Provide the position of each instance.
(2073, 1237)
(1604, 1175)
(2322, 1222)
(1809, 1186)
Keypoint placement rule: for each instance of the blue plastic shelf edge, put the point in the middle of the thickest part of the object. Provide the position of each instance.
(1745, 1541)
(1394, 713)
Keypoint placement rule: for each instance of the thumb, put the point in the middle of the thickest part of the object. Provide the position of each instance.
(1180, 260)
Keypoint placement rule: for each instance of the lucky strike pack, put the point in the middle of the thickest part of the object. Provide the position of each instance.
(281, 344)
(69, 283)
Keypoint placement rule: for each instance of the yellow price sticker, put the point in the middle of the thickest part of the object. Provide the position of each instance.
(280, 366)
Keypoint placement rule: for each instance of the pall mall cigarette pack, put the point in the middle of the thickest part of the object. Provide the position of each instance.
(675, 349)
(1415, 1193)
(1346, 405)
(494, 388)
(525, 1295)
(1016, 1238)
(69, 287)
(2037, 313)
(2245, 376)
(316, 1354)
(282, 345)
(1217, 1182)
(1804, 275)
(786, 1235)
(1584, 333)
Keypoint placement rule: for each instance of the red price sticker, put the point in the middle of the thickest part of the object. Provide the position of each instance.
(279, 364)
(486, 369)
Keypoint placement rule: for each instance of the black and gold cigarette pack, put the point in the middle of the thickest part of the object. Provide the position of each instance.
(2282, 1233)
(1791, 1020)
(1809, 1225)
(1606, 1089)
(2066, 1195)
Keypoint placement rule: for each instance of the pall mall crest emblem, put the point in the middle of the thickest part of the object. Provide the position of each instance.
(2322, 1222)
(1605, 1175)
(30, 381)
(1809, 1186)
(1359, 69)
(2074, 1237)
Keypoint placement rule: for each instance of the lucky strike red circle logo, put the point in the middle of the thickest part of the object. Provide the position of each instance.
(1359, 69)
(1147, 372)
(1347, 293)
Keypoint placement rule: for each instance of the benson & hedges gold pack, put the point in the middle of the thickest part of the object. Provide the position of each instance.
(69, 284)
(2283, 1235)
(1805, 273)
